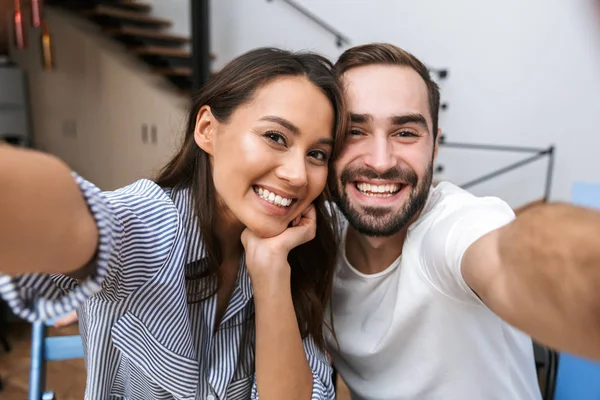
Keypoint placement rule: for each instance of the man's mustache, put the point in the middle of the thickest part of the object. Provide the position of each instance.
(406, 175)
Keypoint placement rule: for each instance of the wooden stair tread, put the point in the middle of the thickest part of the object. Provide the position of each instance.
(136, 5)
(107, 11)
(174, 71)
(161, 51)
(146, 33)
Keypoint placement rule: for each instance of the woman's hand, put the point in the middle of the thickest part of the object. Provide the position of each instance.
(66, 320)
(282, 368)
(266, 259)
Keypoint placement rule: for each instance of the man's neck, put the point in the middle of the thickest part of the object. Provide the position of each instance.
(371, 255)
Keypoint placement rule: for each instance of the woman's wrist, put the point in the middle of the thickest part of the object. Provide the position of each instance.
(271, 283)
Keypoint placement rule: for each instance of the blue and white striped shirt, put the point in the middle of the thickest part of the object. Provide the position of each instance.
(142, 338)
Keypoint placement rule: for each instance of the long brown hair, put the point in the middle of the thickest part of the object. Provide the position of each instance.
(312, 264)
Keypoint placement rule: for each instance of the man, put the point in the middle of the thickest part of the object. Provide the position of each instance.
(435, 286)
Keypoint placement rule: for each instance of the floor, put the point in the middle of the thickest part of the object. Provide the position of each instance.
(65, 378)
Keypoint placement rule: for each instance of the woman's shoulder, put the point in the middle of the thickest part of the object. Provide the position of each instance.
(140, 190)
(134, 213)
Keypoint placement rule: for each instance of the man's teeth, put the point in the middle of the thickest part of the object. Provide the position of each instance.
(378, 190)
(272, 197)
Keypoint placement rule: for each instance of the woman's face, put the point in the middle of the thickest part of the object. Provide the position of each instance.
(270, 160)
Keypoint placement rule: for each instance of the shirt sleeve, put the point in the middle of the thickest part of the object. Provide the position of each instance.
(448, 238)
(321, 371)
(136, 229)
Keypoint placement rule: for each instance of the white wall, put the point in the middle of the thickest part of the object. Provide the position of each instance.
(521, 72)
(178, 11)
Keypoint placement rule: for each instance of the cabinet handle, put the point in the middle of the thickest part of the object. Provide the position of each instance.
(144, 133)
(153, 134)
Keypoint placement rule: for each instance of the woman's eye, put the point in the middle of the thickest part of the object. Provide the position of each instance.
(355, 132)
(276, 137)
(319, 155)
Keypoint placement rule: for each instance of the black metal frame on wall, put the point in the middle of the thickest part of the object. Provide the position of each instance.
(537, 153)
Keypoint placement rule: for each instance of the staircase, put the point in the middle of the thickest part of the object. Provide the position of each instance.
(145, 36)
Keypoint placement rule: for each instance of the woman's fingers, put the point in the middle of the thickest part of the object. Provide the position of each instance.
(68, 319)
(302, 232)
(303, 229)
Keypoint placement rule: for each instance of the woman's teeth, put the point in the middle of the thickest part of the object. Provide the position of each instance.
(272, 197)
(378, 190)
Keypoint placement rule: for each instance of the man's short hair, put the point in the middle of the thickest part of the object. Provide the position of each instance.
(388, 54)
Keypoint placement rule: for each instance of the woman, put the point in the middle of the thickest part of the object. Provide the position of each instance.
(211, 282)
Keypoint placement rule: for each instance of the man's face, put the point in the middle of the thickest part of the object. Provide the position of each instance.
(384, 173)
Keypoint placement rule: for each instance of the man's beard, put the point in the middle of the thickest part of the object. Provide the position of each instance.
(382, 221)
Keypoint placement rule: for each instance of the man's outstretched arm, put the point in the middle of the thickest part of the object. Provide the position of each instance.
(541, 274)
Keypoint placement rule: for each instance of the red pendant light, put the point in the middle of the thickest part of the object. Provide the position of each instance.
(19, 27)
(35, 13)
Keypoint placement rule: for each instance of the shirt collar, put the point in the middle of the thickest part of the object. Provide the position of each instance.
(195, 245)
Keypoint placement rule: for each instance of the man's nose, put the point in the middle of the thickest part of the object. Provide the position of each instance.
(379, 155)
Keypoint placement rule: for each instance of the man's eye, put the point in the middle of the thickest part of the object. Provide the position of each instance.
(407, 134)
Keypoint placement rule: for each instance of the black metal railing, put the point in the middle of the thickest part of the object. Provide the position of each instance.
(200, 22)
(340, 38)
(538, 153)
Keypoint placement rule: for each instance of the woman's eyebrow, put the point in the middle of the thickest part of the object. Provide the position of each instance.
(293, 128)
(283, 122)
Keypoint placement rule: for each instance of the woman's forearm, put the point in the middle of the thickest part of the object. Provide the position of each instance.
(45, 225)
(282, 370)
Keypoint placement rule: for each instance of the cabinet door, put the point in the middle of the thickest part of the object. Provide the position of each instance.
(131, 112)
(77, 127)
(89, 115)
(169, 124)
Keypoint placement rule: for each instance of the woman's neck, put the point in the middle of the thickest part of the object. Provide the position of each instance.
(229, 230)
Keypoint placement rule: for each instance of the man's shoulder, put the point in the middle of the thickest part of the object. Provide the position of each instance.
(447, 199)
(448, 192)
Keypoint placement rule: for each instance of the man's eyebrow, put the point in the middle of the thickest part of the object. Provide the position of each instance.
(409, 118)
(283, 122)
(360, 118)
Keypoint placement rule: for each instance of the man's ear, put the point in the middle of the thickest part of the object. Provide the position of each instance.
(205, 129)
(436, 145)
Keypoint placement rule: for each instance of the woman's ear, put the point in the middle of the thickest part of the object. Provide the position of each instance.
(204, 131)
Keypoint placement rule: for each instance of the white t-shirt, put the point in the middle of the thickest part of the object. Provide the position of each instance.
(416, 330)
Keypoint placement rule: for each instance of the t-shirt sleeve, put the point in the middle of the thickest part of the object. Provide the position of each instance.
(137, 227)
(447, 239)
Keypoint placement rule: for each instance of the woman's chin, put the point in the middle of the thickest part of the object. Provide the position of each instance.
(263, 231)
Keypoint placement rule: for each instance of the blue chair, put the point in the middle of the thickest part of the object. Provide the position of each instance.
(44, 349)
(586, 194)
(578, 378)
